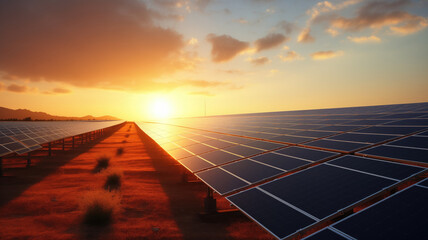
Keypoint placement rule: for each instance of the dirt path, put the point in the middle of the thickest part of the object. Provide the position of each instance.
(154, 203)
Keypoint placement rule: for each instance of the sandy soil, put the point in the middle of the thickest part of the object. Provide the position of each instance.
(44, 201)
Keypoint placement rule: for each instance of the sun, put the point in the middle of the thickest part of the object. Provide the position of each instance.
(160, 108)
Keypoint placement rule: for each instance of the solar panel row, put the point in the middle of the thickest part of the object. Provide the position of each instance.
(313, 177)
(23, 137)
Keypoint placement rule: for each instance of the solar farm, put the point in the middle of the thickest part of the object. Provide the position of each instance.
(344, 173)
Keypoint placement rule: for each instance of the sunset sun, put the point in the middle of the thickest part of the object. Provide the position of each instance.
(160, 108)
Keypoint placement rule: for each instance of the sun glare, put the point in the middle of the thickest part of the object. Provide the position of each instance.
(160, 108)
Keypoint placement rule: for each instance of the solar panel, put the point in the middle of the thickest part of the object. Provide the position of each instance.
(401, 216)
(290, 171)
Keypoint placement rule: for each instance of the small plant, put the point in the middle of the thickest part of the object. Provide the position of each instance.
(113, 180)
(99, 207)
(127, 135)
(119, 151)
(102, 163)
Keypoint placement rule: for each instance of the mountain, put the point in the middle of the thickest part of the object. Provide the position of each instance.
(20, 114)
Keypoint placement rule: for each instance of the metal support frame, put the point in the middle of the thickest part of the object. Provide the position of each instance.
(63, 144)
(72, 143)
(1, 166)
(210, 203)
(50, 149)
(29, 159)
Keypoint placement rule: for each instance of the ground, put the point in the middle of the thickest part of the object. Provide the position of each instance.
(45, 200)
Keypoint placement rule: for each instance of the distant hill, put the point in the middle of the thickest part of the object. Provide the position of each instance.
(20, 114)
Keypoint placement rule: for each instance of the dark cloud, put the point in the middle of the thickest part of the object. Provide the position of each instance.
(61, 90)
(98, 43)
(17, 88)
(259, 61)
(225, 47)
(287, 27)
(270, 41)
(378, 14)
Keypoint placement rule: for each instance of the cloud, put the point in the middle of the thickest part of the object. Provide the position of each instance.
(100, 43)
(225, 47)
(290, 56)
(201, 83)
(17, 88)
(61, 90)
(321, 7)
(305, 36)
(287, 27)
(259, 61)
(193, 42)
(233, 71)
(324, 55)
(241, 21)
(379, 14)
(364, 39)
(269, 41)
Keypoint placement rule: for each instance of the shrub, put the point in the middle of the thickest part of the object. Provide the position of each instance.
(119, 151)
(102, 163)
(113, 180)
(99, 207)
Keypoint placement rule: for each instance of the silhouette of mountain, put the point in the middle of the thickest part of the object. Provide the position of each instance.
(20, 114)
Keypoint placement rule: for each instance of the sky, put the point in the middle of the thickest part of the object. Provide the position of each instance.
(140, 60)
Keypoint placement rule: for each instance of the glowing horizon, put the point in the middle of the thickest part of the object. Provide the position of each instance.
(210, 57)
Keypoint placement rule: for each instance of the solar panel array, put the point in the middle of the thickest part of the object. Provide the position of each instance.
(290, 171)
(23, 137)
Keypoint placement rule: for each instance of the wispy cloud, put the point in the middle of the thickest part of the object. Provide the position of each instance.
(364, 39)
(17, 88)
(92, 54)
(379, 14)
(225, 47)
(271, 40)
(324, 55)
(290, 56)
(259, 61)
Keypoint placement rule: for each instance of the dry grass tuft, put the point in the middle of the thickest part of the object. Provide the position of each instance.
(113, 180)
(119, 151)
(127, 135)
(102, 163)
(99, 207)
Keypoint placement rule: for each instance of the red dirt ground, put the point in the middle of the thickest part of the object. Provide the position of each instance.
(43, 201)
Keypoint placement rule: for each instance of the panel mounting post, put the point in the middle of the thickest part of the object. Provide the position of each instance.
(72, 143)
(29, 159)
(63, 144)
(210, 203)
(50, 149)
(1, 166)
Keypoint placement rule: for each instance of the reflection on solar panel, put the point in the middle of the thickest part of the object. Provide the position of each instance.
(295, 171)
(23, 137)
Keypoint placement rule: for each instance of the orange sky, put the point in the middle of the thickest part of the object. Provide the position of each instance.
(127, 58)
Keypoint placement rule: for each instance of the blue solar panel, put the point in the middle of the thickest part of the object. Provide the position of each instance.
(399, 153)
(291, 139)
(219, 157)
(264, 145)
(251, 171)
(410, 122)
(322, 190)
(243, 151)
(401, 216)
(389, 169)
(338, 128)
(337, 145)
(391, 130)
(281, 161)
(363, 138)
(279, 219)
(325, 234)
(220, 180)
(424, 183)
(195, 163)
(412, 141)
(306, 153)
